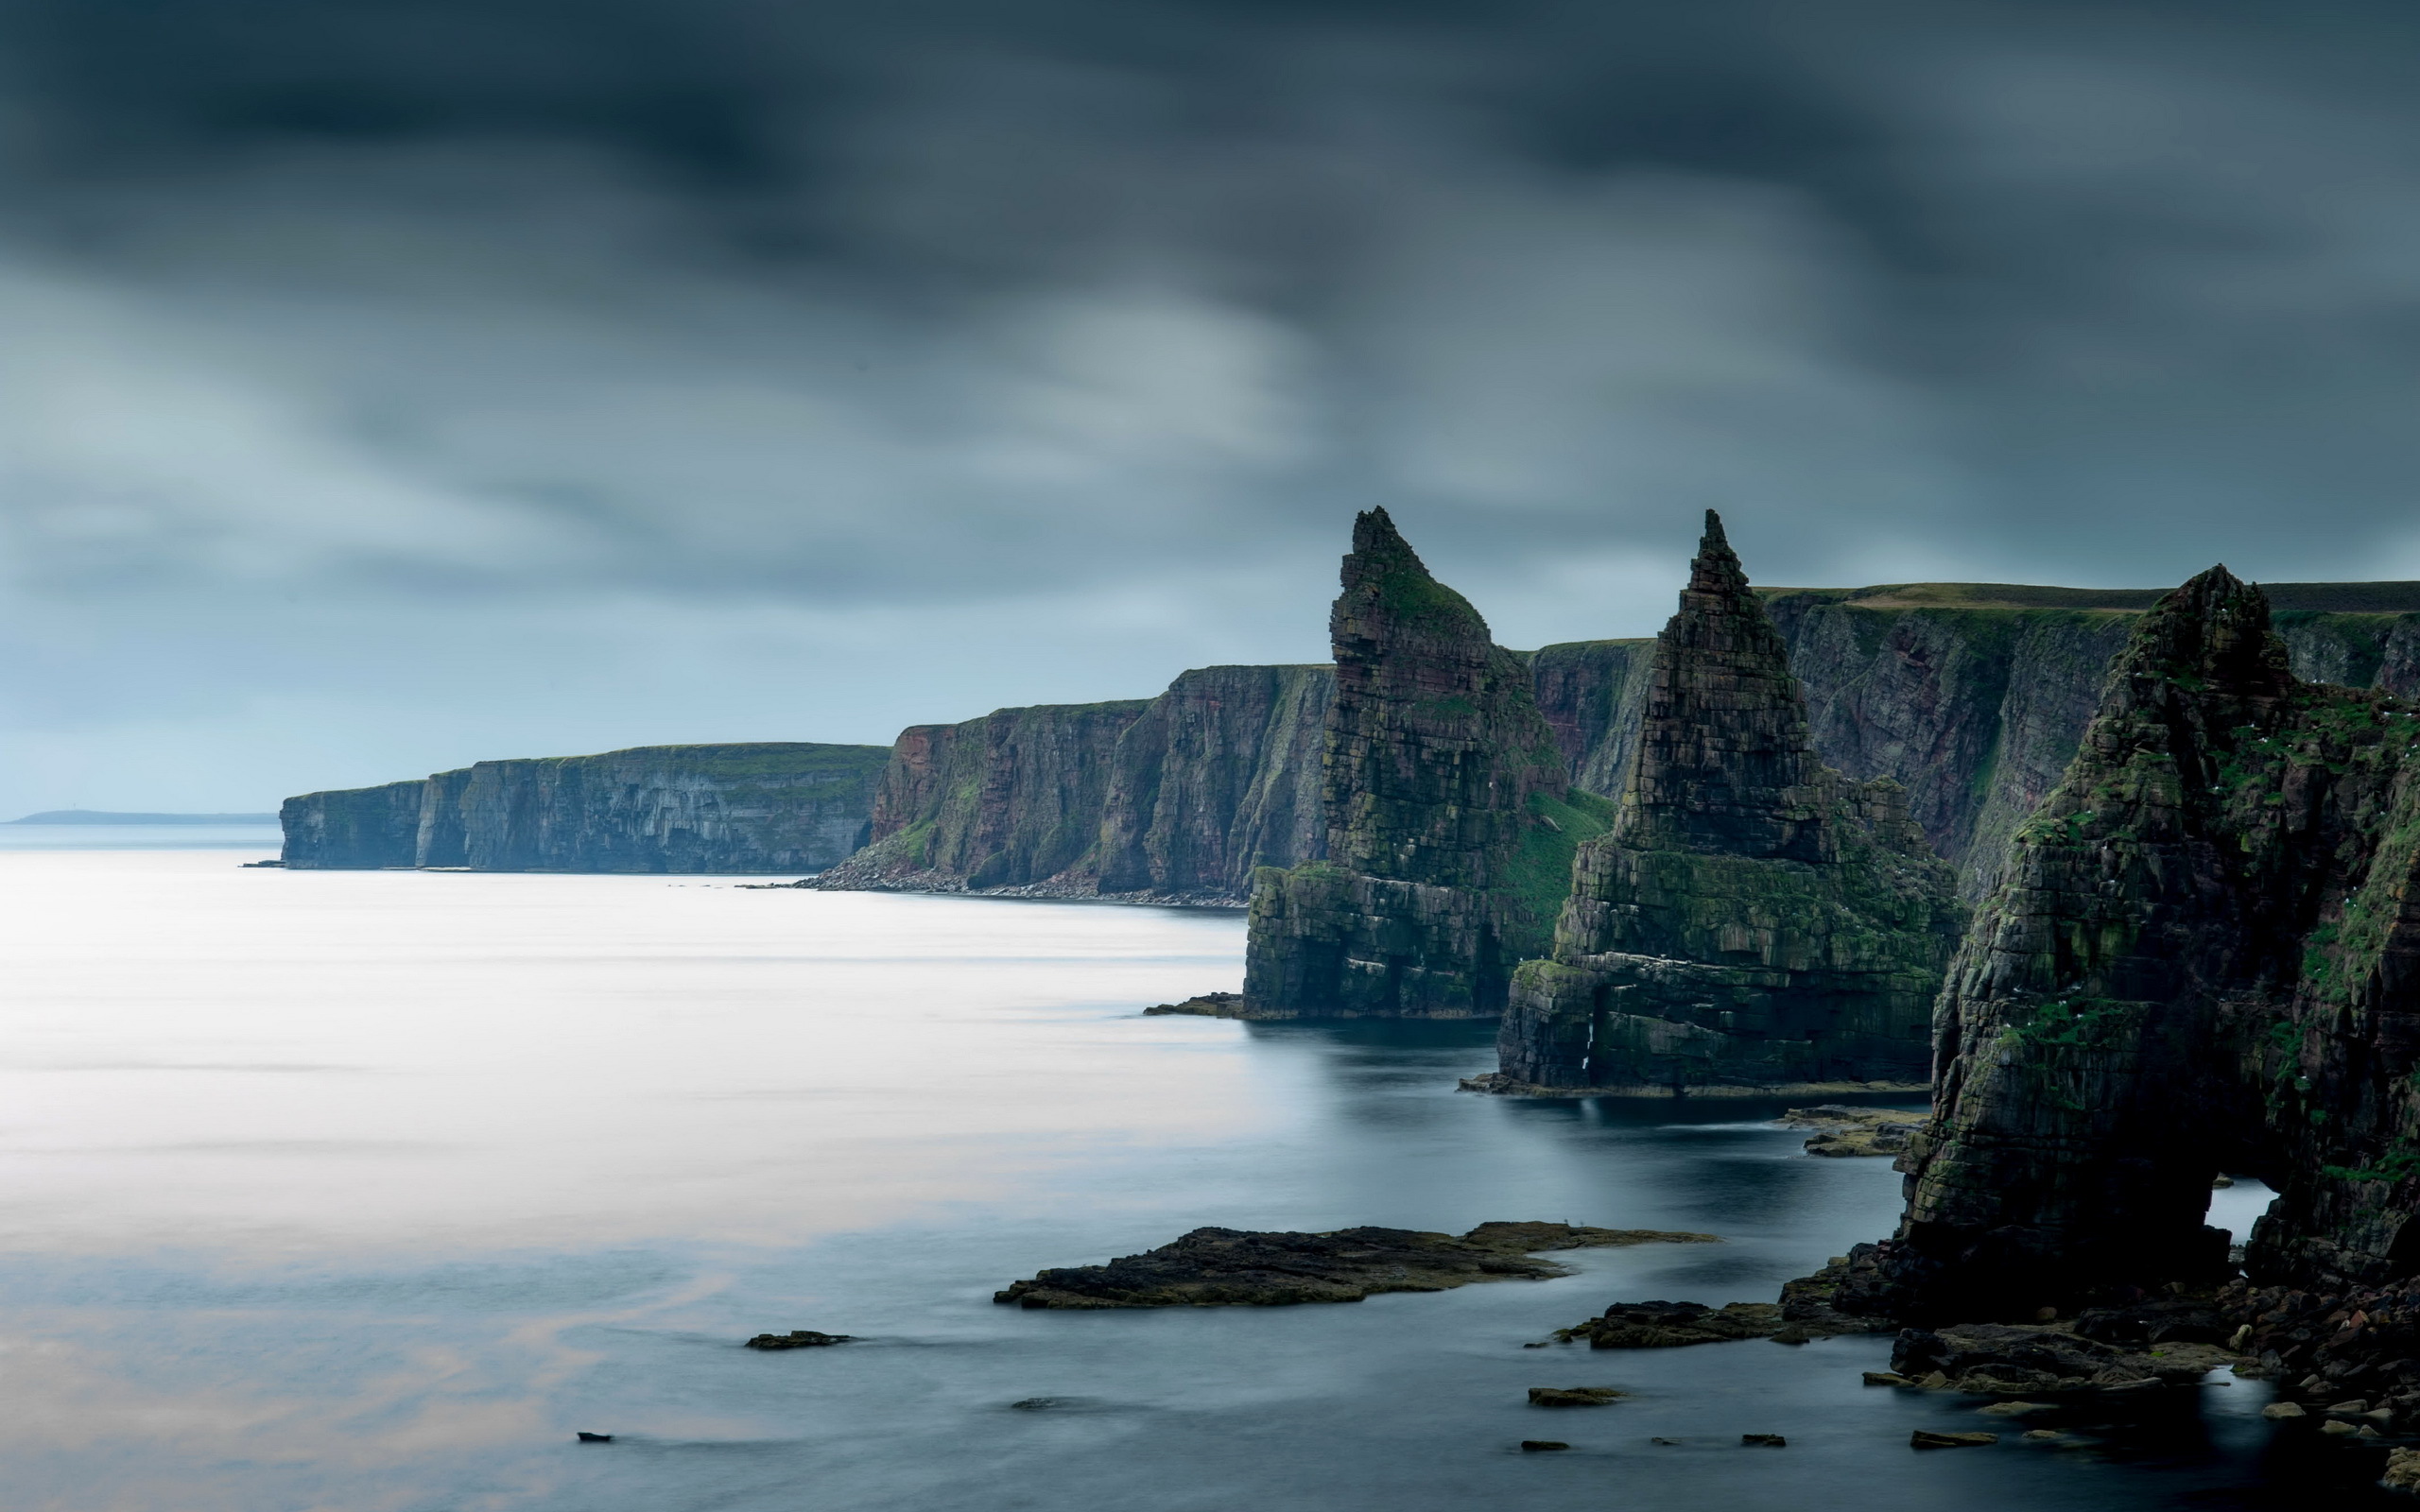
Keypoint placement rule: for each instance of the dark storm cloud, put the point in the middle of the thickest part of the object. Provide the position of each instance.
(491, 353)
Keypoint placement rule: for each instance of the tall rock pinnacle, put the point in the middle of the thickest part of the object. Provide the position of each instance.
(1752, 919)
(2198, 959)
(1725, 762)
(1450, 817)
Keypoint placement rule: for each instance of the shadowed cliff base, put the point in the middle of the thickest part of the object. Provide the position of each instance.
(1754, 919)
(1451, 820)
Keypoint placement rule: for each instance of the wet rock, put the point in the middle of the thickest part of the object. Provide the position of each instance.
(2016, 1409)
(1229, 1268)
(1539, 1446)
(1574, 1396)
(1923, 1438)
(1672, 1325)
(1855, 1131)
(2025, 1358)
(2336, 1428)
(2402, 1471)
(798, 1339)
(1887, 1377)
(1763, 1441)
(2279, 1410)
(595, 1438)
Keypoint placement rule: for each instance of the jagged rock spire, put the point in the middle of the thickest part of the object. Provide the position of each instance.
(2212, 632)
(1434, 741)
(1725, 760)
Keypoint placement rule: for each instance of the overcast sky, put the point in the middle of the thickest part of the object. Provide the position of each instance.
(387, 386)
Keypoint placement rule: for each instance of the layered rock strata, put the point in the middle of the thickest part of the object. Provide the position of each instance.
(1971, 695)
(1451, 820)
(355, 829)
(1010, 802)
(736, 809)
(2203, 955)
(1753, 918)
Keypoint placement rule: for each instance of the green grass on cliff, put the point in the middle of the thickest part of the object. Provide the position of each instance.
(1538, 876)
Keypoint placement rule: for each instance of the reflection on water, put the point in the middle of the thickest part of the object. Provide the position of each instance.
(366, 1190)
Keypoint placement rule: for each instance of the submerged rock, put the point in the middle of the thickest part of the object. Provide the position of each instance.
(1211, 1005)
(1923, 1438)
(1753, 918)
(1674, 1325)
(1538, 1446)
(798, 1339)
(1229, 1268)
(1575, 1396)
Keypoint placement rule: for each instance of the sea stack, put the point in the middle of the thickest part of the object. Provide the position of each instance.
(2204, 956)
(1753, 918)
(1450, 818)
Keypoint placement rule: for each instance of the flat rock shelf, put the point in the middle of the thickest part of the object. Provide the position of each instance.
(1233, 1267)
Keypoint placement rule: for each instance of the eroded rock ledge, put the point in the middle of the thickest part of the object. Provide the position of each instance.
(1231, 1267)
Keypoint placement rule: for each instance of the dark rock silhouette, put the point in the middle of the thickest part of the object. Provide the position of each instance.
(1451, 820)
(2203, 955)
(1753, 918)
(1231, 1267)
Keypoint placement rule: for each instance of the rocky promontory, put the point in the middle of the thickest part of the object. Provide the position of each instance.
(1231, 1267)
(1752, 919)
(1451, 820)
(767, 807)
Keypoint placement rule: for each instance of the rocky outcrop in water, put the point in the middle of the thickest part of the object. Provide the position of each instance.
(1451, 820)
(2203, 955)
(1233, 1267)
(1753, 918)
(736, 808)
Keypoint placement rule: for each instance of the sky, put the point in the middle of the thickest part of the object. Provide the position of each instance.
(389, 385)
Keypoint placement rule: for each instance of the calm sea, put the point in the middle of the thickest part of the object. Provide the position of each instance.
(368, 1190)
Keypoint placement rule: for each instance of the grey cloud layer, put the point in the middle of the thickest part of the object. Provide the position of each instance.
(414, 330)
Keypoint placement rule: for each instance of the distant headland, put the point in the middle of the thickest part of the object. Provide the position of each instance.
(103, 816)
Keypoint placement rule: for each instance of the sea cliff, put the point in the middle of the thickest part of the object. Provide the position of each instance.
(768, 807)
(2199, 958)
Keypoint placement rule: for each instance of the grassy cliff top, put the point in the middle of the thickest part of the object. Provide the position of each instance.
(2341, 598)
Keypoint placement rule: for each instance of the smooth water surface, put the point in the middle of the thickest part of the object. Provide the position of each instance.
(366, 1190)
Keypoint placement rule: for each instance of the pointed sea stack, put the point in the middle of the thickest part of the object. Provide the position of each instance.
(2204, 956)
(1450, 819)
(1754, 919)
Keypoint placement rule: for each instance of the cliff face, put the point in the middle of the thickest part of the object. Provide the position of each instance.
(737, 808)
(1593, 694)
(1450, 818)
(1753, 918)
(1011, 801)
(353, 829)
(1219, 776)
(2204, 955)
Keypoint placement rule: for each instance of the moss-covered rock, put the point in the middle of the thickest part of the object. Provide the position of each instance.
(1753, 918)
(2201, 958)
(1451, 820)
